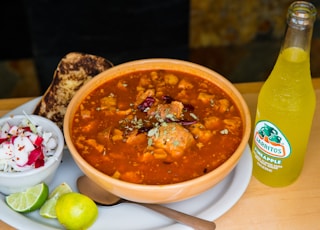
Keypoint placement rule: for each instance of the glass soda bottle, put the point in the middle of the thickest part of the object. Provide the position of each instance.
(286, 104)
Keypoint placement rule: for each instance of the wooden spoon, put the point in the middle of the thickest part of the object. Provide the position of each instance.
(103, 197)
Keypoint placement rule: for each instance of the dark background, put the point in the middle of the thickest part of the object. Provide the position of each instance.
(120, 31)
(36, 34)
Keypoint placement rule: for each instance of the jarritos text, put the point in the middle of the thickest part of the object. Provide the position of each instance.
(269, 139)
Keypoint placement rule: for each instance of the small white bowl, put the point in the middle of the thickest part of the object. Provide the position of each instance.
(11, 182)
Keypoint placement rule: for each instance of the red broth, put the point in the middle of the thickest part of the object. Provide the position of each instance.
(157, 127)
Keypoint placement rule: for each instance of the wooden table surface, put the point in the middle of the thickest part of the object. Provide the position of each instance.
(296, 206)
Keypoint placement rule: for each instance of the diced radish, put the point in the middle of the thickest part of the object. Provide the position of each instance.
(13, 130)
(24, 146)
(3, 140)
(6, 152)
(52, 143)
(32, 136)
(12, 139)
(38, 141)
(34, 156)
(21, 158)
(46, 136)
(39, 163)
(27, 129)
(35, 139)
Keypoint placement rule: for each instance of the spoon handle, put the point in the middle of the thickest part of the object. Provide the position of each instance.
(192, 221)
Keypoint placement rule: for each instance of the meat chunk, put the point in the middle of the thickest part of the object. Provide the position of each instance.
(212, 122)
(142, 95)
(135, 138)
(233, 124)
(172, 111)
(108, 103)
(206, 98)
(200, 132)
(173, 138)
(184, 84)
(223, 105)
(171, 79)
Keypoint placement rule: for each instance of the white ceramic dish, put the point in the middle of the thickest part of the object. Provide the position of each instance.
(209, 205)
(19, 181)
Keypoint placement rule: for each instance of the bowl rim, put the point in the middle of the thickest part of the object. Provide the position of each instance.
(145, 64)
(58, 152)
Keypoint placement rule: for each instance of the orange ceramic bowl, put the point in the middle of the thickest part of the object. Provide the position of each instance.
(158, 193)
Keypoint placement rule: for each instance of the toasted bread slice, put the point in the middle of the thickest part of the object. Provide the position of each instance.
(73, 71)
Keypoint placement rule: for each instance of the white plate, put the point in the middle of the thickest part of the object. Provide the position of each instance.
(209, 205)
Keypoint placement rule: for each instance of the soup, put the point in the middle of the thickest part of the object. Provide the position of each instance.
(157, 127)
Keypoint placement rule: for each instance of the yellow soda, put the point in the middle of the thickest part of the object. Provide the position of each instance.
(284, 118)
(286, 104)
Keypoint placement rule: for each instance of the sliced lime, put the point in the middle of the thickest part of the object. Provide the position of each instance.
(29, 200)
(48, 208)
(60, 189)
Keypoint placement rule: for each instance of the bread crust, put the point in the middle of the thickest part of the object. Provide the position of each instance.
(73, 71)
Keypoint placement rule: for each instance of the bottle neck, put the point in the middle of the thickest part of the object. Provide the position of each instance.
(300, 19)
(298, 38)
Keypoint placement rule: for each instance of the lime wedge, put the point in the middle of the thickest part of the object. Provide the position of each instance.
(29, 200)
(59, 190)
(48, 208)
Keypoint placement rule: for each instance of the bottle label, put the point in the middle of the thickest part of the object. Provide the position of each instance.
(270, 140)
